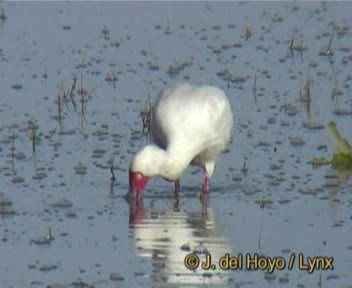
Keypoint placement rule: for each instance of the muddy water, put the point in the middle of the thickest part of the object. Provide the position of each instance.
(64, 223)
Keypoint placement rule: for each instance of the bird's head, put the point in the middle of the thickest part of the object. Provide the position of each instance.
(144, 165)
(137, 182)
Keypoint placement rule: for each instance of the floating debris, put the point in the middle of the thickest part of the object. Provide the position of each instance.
(6, 208)
(4, 201)
(326, 51)
(296, 141)
(115, 44)
(76, 284)
(283, 201)
(342, 112)
(2, 14)
(264, 144)
(276, 18)
(153, 67)
(105, 32)
(17, 86)
(275, 167)
(111, 77)
(185, 247)
(98, 153)
(289, 109)
(264, 203)
(313, 125)
(227, 76)
(116, 277)
(317, 162)
(201, 249)
(80, 169)
(244, 169)
(174, 70)
(44, 240)
(49, 267)
(309, 191)
(39, 176)
(17, 179)
(247, 33)
(236, 178)
(271, 120)
(111, 167)
(62, 203)
(332, 183)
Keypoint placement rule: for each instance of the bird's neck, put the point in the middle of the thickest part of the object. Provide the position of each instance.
(171, 163)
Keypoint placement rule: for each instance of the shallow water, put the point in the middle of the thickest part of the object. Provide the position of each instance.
(65, 224)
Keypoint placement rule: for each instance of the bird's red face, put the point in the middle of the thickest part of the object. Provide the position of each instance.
(137, 182)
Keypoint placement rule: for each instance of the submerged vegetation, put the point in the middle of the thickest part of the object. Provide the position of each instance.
(146, 115)
(342, 156)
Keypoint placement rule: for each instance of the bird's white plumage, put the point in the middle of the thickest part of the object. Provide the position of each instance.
(190, 125)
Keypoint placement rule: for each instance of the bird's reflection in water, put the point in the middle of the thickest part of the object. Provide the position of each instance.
(167, 236)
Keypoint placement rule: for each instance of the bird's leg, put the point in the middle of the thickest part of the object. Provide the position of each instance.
(130, 195)
(138, 195)
(205, 205)
(176, 202)
(177, 186)
(205, 186)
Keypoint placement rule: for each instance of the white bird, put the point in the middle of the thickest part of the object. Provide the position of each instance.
(190, 125)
